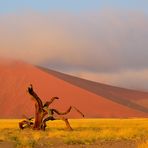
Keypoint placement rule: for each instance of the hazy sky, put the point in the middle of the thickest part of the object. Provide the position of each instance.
(100, 40)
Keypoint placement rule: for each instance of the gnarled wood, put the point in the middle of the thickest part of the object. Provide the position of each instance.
(35, 97)
(51, 100)
(41, 111)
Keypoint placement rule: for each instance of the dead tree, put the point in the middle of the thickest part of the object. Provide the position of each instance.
(40, 118)
(39, 112)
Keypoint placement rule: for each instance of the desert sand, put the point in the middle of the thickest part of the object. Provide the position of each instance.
(93, 99)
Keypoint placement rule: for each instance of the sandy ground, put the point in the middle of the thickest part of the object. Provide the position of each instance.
(57, 143)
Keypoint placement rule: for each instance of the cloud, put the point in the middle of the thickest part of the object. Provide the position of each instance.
(105, 41)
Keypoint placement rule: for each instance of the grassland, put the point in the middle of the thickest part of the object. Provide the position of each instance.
(86, 133)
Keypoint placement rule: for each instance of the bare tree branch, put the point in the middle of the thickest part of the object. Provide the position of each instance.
(36, 97)
(51, 101)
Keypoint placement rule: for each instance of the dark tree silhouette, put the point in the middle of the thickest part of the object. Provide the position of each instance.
(41, 111)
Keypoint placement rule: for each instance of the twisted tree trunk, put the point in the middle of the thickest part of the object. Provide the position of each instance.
(41, 112)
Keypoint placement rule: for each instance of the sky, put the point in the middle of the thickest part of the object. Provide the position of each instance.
(103, 41)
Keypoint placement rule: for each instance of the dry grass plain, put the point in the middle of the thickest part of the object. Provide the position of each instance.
(105, 133)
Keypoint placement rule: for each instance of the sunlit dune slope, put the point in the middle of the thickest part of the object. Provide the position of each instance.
(15, 77)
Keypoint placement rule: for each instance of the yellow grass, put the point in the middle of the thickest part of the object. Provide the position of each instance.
(86, 131)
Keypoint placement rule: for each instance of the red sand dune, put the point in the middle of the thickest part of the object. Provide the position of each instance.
(132, 98)
(15, 77)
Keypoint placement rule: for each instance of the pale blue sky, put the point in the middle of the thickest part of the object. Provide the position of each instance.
(8, 6)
